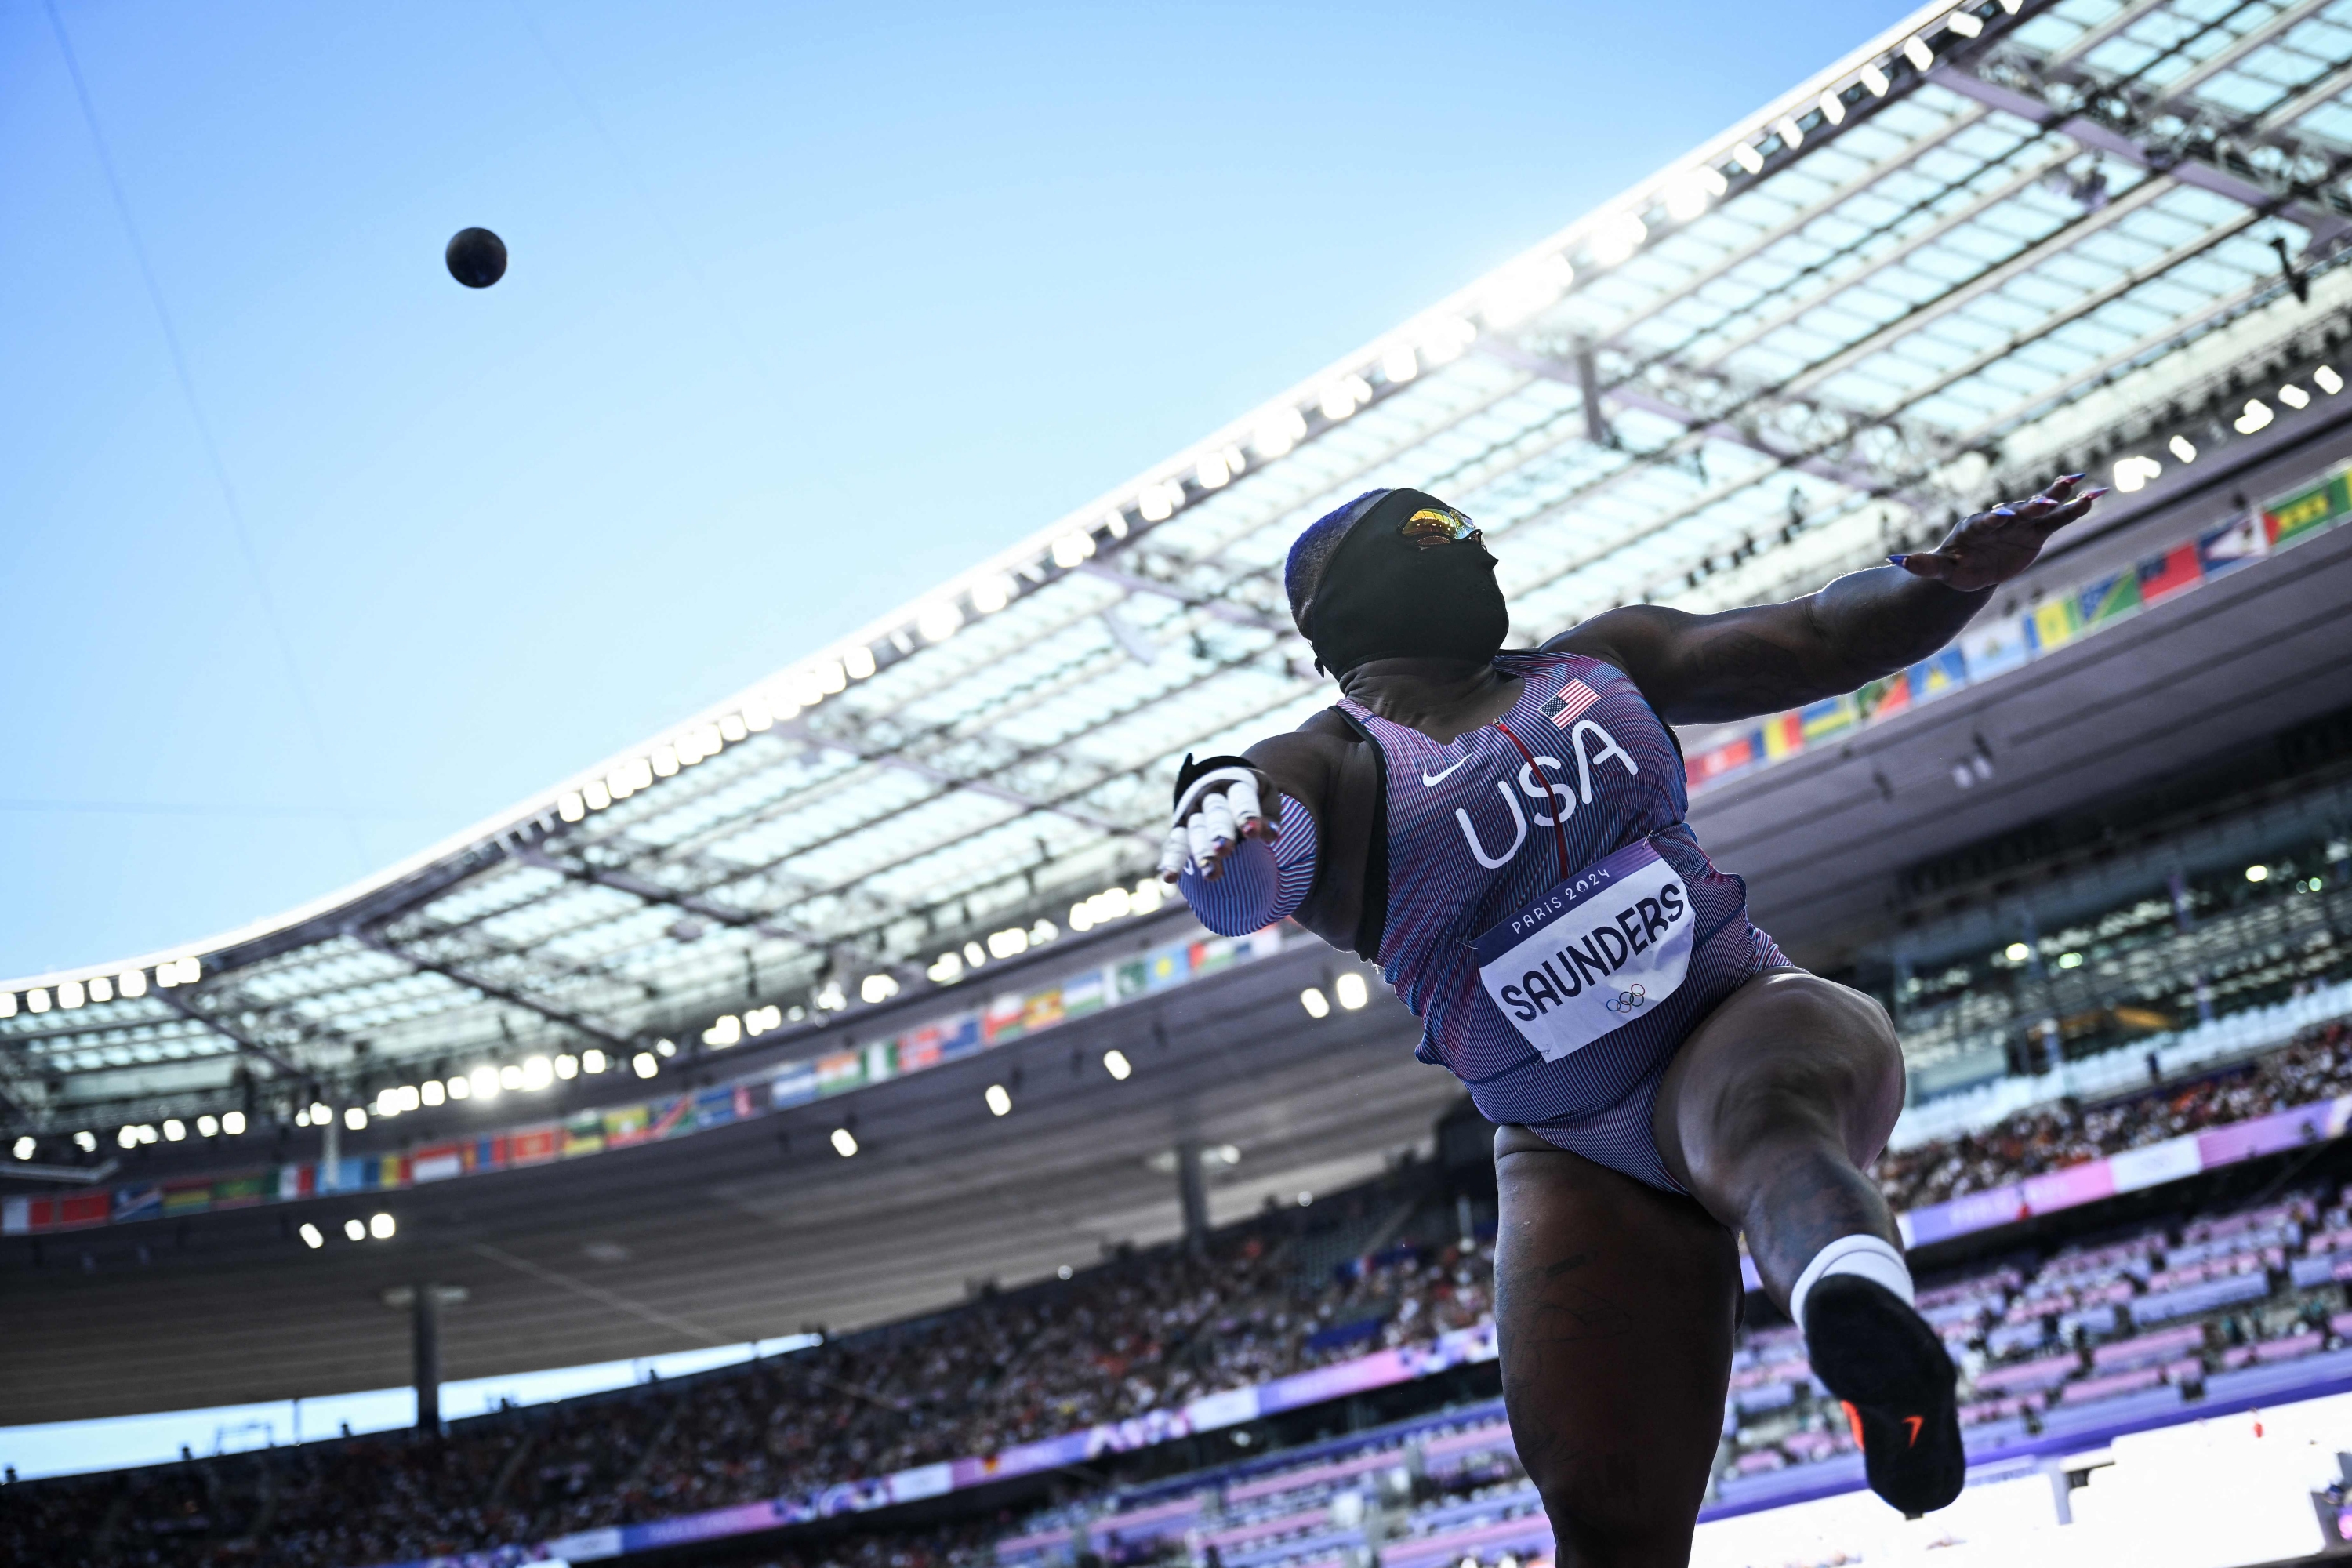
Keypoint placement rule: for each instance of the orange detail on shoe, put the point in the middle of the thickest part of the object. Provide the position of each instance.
(1915, 1423)
(1854, 1419)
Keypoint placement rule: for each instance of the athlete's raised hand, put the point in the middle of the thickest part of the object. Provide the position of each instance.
(1219, 803)
(1994, 546)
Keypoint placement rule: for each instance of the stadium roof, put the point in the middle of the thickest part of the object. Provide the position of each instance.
(1974, 248)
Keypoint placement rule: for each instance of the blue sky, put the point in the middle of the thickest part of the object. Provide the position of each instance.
(808, 308)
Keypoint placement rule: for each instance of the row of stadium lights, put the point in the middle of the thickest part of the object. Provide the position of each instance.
(1348, 989)
(68, 994)
(378, 1227)
(2133, 471)
(2021, 952)
(999, 1101)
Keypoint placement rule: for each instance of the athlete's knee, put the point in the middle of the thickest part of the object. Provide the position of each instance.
(1606, 1510)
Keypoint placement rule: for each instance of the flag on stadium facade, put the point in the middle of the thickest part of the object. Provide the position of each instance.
(2054, 624)
(2161, 576)
(2299, 516)
(1784, 733)
(1990, 648)
(583, 1135)
(794, 1084)
(2239, 542)
(2111, 598)
(840, 1071)
(436, 1162)
(1724, 759)
(1002, 1020)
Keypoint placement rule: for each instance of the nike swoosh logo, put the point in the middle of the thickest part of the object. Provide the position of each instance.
(1915, 1423)
(1431, 779)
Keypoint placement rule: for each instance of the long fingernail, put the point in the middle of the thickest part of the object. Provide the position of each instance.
(2070, 479)
(2002, 511)
(2092, 494)
(1896, 560)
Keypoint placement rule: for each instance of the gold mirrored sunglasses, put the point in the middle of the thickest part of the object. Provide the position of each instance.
(1438, 525)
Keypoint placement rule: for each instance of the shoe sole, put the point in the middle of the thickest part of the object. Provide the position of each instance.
(1892, 1375)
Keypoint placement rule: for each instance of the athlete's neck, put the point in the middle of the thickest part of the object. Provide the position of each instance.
(1442, 698)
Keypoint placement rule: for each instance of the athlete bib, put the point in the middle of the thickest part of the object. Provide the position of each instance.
(1594, 955)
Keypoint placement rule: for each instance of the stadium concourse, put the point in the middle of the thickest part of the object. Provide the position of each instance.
(852, 995)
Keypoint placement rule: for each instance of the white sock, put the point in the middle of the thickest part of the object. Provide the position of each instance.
(1875, 1260)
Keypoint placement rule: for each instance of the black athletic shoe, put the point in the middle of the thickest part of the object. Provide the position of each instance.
(1891, 1372)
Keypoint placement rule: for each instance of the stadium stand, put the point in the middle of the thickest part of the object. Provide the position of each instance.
(2122, 1328)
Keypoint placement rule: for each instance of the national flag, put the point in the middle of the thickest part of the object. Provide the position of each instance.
(16, 1215)
(672, 1118)
(1826, 717)
(244, 1191)
(1209, 956)
(2241, 542)
(1721, 762)
(583, 1134)
(715, 1106)
(136, 1203)
(1996, 647)
(1170, 965)
(794, 1084)
(960, 1037)
(2161, 576)
(1132, 978)
(881, 1060)
(296, 1182)
(1568, 704)
(1041, 1010)
(1933, 676)
(1784, 735)
(1885, 698)
(839, 1071)
(1083, 994)
(81, 1211)
(439, 1162)
(2054, 624)
(2300, 516)
(487, 1154)
(2111, 598)
(187, 1197)
(531, 1145)
(919, 1048)
(1001, 1021)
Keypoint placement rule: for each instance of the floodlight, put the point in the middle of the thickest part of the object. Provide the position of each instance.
(310, 1237)
(844, 1144)
(1114, 1063)
(380, 1226)
(1351, 990)
(1318, 1005)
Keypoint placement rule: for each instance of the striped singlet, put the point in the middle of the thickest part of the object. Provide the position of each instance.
(1479, 829)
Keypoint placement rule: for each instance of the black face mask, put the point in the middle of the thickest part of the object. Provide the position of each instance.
(1388, 593)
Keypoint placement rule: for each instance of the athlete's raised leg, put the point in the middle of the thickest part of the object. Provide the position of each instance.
(1615, 1304)
(1769, 1115)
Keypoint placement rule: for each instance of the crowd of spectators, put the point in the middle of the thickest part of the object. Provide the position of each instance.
(1134, 1335)
(2315, 1064)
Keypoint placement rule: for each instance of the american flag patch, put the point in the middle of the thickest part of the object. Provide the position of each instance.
(1569, 704)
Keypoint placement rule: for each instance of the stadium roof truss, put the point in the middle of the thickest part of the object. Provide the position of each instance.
(1936, 269)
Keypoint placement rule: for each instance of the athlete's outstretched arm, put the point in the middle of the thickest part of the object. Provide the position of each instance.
(1740, 663)
(1245, 843)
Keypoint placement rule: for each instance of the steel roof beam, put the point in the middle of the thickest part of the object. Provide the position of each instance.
(175, 999)
(496, 991)
(2234, 179)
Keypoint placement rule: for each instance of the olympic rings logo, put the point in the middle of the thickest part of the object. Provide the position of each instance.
(1627, 1001)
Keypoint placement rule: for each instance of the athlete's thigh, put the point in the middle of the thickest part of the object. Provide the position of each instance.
(1789, 1052)
(1615, 1304)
